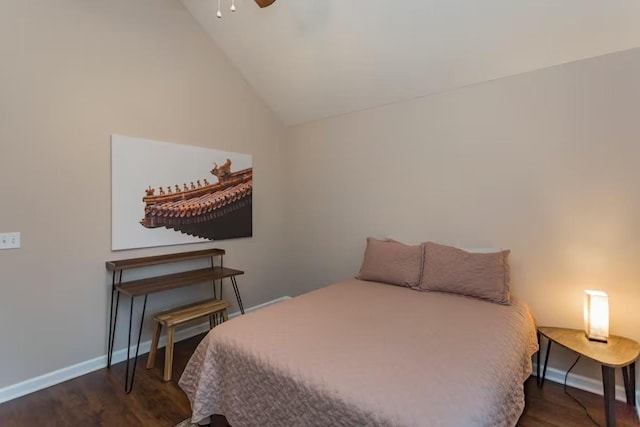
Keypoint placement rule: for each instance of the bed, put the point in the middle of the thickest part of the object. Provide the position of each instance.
(363, 353)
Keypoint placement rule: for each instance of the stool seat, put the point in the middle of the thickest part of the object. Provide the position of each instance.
(211, 308)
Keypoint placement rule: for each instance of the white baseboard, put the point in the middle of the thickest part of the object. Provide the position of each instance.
(52, 378)
(585, 383)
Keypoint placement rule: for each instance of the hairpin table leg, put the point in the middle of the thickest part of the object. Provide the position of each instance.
(237, 292)
(128, 381)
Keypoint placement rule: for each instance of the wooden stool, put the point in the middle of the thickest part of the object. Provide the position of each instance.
(178, 316)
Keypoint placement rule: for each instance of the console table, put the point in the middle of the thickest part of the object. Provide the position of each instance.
(146, 286)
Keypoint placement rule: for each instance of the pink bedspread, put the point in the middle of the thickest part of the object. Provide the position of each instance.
(366, 354)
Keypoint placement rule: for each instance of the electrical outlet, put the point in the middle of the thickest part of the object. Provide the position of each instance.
(10, 240)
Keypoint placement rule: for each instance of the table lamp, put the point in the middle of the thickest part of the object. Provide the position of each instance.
(596, 315)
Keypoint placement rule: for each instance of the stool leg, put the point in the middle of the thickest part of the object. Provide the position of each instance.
(168, 355)
(151, 360)
(224, 315)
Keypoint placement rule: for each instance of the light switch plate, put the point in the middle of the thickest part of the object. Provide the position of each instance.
(10, 240)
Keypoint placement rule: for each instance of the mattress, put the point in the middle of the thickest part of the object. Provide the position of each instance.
(360, 353)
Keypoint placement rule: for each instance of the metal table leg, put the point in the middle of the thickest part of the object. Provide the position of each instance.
(113, 317)
(112, 327)
(128, 381)
(237, 292)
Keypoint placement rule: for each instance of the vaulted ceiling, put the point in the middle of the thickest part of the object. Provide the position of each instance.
(311, 59)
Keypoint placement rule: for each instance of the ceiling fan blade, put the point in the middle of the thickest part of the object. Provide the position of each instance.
(265, 3)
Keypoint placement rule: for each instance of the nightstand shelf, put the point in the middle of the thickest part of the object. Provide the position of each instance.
(619, 352)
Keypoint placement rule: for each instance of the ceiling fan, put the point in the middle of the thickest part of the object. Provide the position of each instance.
(265, 3)
(261, 3)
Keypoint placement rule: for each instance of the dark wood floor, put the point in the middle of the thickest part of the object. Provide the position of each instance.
(98, 399)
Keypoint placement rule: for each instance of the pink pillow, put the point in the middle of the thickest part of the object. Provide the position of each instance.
(392, 262)
(478, 275)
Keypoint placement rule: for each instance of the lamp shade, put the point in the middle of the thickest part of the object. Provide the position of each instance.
(596, 315)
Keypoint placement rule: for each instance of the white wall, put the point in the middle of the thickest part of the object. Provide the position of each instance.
(74, 72)
(544, 163)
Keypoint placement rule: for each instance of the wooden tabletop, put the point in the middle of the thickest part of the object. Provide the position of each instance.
(125, 264)
(619, 351)
(151, 285)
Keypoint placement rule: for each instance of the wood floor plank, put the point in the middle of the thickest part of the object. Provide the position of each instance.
(98, 399)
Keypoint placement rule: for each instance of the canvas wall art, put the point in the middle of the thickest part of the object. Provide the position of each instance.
(169, 194)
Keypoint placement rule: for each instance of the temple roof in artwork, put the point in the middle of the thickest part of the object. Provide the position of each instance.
(201, 209)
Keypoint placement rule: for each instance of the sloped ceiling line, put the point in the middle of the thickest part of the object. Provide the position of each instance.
(311, 59)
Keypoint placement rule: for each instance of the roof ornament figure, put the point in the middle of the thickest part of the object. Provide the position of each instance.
(193, 187)
(205, 212)
(223, 172)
